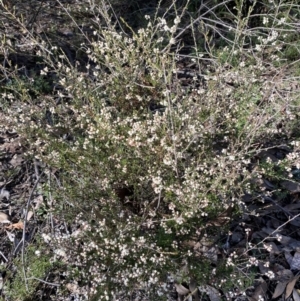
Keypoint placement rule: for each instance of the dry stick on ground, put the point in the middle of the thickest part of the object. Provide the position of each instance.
(51, 202)
(24, 226)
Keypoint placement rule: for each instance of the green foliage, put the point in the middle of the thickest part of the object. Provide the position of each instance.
(27, 87)
(164, 239)
(35, 268)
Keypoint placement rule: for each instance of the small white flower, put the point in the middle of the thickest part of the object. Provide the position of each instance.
(177, 20)
(260, 298)
(281, 21)
(253, 261)
(60, 252)
(258, 47)
(172, 41)
(46, 237)
(166, 28)
(173, 29)
(270, 275)
(163, 21)
(44, 71)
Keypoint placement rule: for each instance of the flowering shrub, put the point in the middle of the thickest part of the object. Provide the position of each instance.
(146, 167)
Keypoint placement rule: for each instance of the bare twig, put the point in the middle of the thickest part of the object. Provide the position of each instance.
(24, 227)
(273, 232)
(46, 282)
(3, 256)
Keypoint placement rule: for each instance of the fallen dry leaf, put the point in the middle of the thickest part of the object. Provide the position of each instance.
(290, 286)
(294, 261)
(295, 222)
(296, 295)
(213, 293)
(280, 287)
(29, 215)
(16, 160)
(18, 225)
(292, 207)
(293, 187)
(181, 290)
(284, 278)
(4, 194)
(260, 290)
(285, 275)
(193, 288)
(4, 218)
